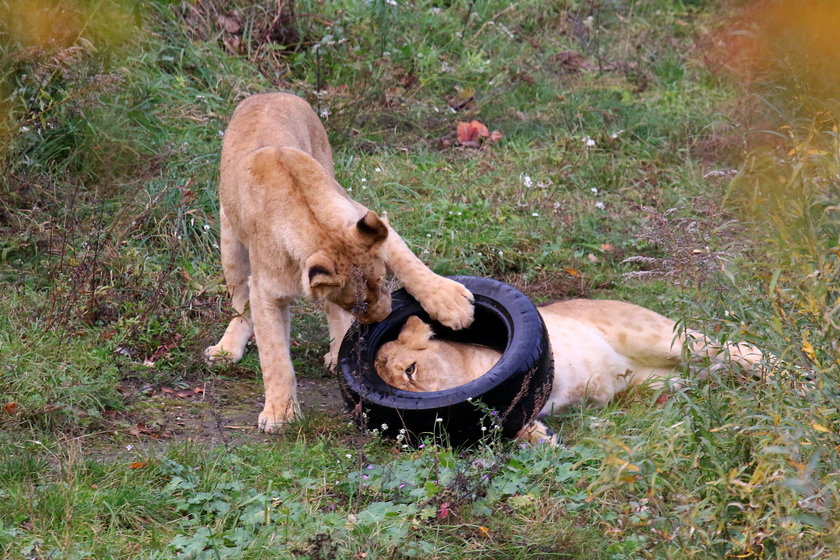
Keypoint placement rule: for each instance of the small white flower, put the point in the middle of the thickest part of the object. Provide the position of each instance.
(206, 227)
(129, 447)
(534, 214)
(616, 134)
(348, 456)
(438, 419)
(594, 190)
(363, 180)
(384, 427)
(428, 235)
(325, 113)
(588, 142)
(24, 129)
(599, 205)
(378, 170)
(221, 133)
(484, 428)
(526, 180)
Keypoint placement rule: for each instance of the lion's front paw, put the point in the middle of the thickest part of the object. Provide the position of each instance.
(217, 353)
(449, 303)
(331, 361)
(272, 419)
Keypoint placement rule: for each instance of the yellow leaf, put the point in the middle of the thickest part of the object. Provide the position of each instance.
(621, 463)
(808, 349)
(820, 428)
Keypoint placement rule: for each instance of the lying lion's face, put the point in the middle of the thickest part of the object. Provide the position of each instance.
(352, 274)
(418, 362)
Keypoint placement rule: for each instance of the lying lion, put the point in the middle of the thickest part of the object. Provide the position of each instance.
(600, 348)
(289, 229)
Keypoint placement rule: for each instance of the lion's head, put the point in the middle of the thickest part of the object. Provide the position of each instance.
(416, 361)
(352, 274)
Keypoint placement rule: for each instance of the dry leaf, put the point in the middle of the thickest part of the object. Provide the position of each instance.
(10, 407)
(138, 465)
(470, 133)
(570, 61)
(443, 511)
(230, 23)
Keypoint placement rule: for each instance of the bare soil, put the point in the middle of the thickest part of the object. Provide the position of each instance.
(219, 411)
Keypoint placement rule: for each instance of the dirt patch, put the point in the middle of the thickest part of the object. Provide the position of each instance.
(216, 412)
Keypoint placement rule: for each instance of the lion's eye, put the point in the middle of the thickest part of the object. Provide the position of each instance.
(409, 371)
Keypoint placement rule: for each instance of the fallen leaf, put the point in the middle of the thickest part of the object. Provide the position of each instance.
(230, 23)
(570, 61)
(484, 531)
(496, 135)
(10, 407)
(468, 133)
(571, 271)
(138, 465)
(443, 511)
(233, 43)
(198, 390)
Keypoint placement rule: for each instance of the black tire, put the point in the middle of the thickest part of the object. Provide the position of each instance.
(508, 396)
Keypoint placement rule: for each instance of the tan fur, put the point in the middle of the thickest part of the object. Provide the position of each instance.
(600, 348)
(289, 229)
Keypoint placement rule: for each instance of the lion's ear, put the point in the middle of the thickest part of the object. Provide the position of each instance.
(320, 275)
(415, 333)
(372, 229)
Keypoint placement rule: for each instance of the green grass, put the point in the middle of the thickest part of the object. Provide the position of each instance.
(109, 141)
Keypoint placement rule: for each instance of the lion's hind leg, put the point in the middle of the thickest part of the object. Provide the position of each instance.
(750, 358)
(237, 270)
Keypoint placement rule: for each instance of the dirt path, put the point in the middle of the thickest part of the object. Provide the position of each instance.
(218, 412)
